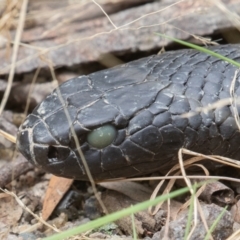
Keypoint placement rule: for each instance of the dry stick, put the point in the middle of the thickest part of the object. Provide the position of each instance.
(145, 15)
(109, 19)
(25, 111)
(165, 236)
(13, 139)
(233, 17)
(12, 70)
(101, 33)
(216, 158)
(235, 235)
(181, 164)
(196, 201)
(200, 190)
(204, 40)
(236, 117)
(148, 14)
(7, 14)
(86, 168)
(8, 136)
(217, 104)
(234, 99)
(169, 187)
(28, 210)
(199, 157)
(30, 91)
(199, 207)
(52, 13)
(44, 51)
(65, 20)
(171, 182)
(203, 219)
(176, 177)
(15, 53)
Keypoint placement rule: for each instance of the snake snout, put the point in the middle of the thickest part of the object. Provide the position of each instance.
(51, 158)
(23, 144)
(37, 154)
(38, 145)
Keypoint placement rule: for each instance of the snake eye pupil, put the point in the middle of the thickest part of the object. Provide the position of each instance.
(102, 137)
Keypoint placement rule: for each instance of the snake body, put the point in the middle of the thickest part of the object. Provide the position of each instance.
(144, 101)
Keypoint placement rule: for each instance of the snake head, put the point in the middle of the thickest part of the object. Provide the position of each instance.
(61, 129)
(96, 116)
(143, 102)
(38, 145)
(138, 102)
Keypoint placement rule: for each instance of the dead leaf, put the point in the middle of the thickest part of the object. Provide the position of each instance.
(218, 193)
(56, 189)
(133, 190)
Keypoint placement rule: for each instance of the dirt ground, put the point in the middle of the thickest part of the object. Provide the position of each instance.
(45, 43)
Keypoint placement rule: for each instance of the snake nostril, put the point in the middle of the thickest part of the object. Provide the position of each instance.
(57, 154)
(52, 152)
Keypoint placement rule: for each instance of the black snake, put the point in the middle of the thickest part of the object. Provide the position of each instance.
(128, 119)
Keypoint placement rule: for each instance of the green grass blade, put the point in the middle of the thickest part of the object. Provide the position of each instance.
(215, 223)
(190, 214)
(115, 216)
(201, 49)
(134, 227)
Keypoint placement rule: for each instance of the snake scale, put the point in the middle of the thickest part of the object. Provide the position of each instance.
(140, 105)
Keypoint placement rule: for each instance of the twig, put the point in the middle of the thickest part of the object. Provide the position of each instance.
(15, 53)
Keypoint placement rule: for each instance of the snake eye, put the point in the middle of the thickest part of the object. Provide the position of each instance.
(102, 136)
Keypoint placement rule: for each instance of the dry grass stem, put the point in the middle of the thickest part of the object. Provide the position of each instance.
(233, 17)
(122, 28)
(109, 19)
(167, 219)
(15, 53)
(28, 210)
(30, 91)
(195, 215)
(8, 136)
(75, 137)
(177, 169)
(175, 177)
(146, 15)
(234, 101)
(200, 190)
(184, 165)
(203, 219)
(218, 104)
